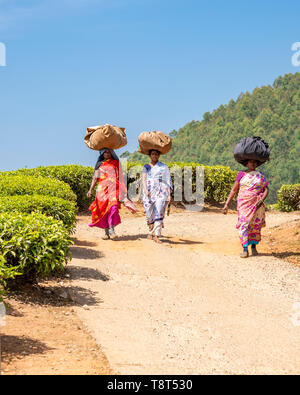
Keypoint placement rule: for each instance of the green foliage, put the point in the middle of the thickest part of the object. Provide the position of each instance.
(272, 112)
(6, 274)
(27, 185)
(57, 208)
(218, 180)
(289, 198)
(34, 244)
(77, 177)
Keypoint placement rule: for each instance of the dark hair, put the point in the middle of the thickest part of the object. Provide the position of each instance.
(155, 150)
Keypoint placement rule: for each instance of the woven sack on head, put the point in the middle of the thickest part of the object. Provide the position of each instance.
(107, 136)
(154, 140)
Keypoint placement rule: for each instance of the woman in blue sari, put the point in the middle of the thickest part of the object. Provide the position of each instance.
(157, 187)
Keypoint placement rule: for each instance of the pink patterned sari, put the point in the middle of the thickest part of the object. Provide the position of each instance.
(250, 219)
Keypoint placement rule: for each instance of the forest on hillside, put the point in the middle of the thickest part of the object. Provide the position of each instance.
(271, 112)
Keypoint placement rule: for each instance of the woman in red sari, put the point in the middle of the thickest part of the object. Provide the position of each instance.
(111, 190)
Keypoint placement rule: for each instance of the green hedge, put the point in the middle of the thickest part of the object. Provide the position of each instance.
(34, 244)
(289, 198)
(78, 177)
(6, 274)
(217, 183)
(57, 208)
(28, 185)
(218, 180)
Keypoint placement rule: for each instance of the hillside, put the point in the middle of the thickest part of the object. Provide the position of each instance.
(272, 112)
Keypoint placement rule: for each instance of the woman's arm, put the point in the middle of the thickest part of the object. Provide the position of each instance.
(263, 198)
(145, 189)
(234, 191)
(93, 184)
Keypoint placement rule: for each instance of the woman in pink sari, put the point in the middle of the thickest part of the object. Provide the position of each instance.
(252, 188)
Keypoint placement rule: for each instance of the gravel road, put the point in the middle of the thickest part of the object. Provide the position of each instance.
(190, 305)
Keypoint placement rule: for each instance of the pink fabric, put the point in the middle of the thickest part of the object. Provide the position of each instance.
(112, 218)
(251, 219)
(131, 206)
(240, 176)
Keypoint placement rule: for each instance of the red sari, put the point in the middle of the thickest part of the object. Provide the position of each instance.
(110, 190)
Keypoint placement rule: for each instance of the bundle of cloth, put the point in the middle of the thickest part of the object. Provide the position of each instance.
(108, 136)
(157, 141)
(252, 148)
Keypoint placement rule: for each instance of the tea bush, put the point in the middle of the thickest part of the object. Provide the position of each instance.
(218, 180)
(34, 244)
(57, 208)
(27, 185)
(77, 177)
(6, 274)
(289, 198)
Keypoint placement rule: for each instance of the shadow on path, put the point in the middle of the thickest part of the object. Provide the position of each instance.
(85, 253)
(85, 273)
(83, 243)
(16, 346)
(58, 296)
(180, 242)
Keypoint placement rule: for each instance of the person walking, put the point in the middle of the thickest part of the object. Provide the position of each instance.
(111, 190)
(157, 187)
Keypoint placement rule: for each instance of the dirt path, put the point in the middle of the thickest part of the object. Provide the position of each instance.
(190, 305)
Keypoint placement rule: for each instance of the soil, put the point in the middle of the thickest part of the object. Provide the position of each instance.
(284, 242)
(187, 306)
(44, 336)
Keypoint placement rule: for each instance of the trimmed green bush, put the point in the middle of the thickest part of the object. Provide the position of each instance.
(6, 274)
(217, 183)
(218, 180)
(34, 244)
(27, 185)
(289, 198)
(57, 208)
(78, 177)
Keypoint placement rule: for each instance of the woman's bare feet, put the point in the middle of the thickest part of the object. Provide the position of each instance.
(156, 239)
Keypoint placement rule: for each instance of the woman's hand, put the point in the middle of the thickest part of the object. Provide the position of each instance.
(234, 191)
(89, 194)
(225, 209)
(259, 203)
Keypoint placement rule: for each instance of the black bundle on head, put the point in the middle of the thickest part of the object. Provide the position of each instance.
(252, 148)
